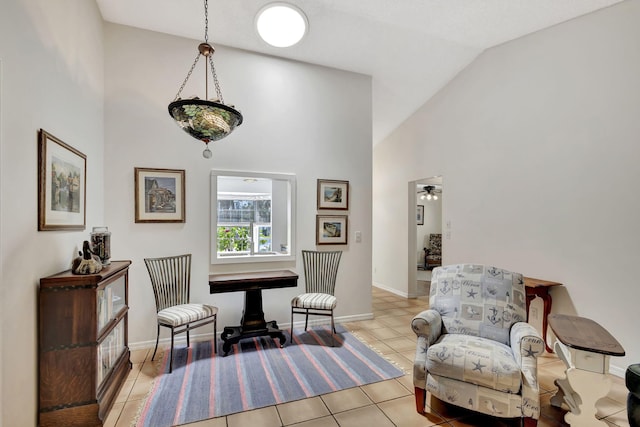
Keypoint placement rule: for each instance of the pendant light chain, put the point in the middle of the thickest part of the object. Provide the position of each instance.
(195, 62)
(206, 21)
(187, 78)
(206, 40)
(203, 119)
(215, 81)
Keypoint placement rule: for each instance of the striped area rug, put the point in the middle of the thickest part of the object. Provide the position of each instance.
(258, 373)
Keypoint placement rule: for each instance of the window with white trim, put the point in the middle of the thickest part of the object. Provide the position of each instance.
(252, 217)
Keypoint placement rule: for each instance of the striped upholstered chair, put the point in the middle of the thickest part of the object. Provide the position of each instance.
(320, 273)
(475, 348)
(171, 280)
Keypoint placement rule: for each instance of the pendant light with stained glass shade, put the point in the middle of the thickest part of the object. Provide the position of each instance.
(204, 119)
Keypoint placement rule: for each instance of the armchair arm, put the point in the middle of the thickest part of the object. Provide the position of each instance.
(427, 325)
(526, 342)
(527, 345)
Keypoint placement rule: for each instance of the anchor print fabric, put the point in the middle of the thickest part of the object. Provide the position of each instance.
(475, 348)
(478, 300)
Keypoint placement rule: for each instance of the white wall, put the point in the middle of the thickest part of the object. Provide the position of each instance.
(51, 55)
(298, 118)
(548, 124)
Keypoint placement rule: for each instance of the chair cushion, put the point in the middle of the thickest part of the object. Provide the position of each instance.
(315, 301)
(476, 360)
(185, 313)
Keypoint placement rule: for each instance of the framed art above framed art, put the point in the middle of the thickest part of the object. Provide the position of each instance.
(331, 229)
(333, 194)
(160, 195)
(62, 185)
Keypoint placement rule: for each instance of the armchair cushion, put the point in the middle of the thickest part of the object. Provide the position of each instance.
(478, 300)
(475, 360)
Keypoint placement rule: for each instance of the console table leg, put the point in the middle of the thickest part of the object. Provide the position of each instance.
(589, 387)
(546, 310)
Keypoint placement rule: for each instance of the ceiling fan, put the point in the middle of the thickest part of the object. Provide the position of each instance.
(430, 192)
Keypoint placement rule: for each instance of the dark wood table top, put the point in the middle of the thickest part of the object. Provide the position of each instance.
(531, 282)
(255, 280)
(584, 334)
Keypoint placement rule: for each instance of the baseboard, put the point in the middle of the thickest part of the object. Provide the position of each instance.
(617, 371)
(182, 340)
(393, 291)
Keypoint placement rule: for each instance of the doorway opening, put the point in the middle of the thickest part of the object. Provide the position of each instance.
(425, 233)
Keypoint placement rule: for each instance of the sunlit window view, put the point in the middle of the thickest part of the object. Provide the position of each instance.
(244, 223)
(252, 217)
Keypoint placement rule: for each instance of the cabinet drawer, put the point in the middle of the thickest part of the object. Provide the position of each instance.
(590, 361)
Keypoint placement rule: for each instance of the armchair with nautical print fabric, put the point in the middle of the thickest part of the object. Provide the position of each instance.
(475, 348)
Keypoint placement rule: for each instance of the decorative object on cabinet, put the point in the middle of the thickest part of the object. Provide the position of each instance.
(420, 215)
(204, 119)
(475, 348)
(333, 194)
(331, 229)
(320, 273)
(160, 195)
(101, 244)
(62, 183)
(83, 349)
(87, 262)
(171, 281)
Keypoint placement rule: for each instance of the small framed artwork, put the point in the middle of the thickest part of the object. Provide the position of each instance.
(62, 185)
(333, 194)
(420, 215)
(160, 195)
(331, 229)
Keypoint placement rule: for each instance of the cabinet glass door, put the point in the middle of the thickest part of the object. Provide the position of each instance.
(109, 351)
(111, 300)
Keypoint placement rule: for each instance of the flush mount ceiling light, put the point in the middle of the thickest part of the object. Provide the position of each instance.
(281, 24)
(204, 119)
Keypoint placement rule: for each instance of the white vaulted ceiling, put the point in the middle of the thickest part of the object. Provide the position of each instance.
(411, 48)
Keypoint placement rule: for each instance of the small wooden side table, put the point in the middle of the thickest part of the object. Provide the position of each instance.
(540, 288)
(585, 348)
(252, 323)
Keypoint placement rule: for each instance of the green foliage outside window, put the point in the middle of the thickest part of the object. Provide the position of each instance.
(233, 239)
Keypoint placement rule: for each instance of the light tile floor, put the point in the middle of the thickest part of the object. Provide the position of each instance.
(389, 403)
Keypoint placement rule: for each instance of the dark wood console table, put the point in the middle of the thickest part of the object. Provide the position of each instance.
(585, 347)
(253, 323)
(540, 288)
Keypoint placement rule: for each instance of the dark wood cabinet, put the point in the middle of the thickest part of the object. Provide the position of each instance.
(84, 356)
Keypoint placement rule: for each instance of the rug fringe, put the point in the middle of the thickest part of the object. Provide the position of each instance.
(393, 362)
(157, 364)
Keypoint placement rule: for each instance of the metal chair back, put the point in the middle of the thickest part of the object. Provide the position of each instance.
(321, 270)
(170, 278)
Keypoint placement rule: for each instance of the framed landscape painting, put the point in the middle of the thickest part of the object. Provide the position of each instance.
(333, 194)
(160, 195)
(62, 185)
(331, 229)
